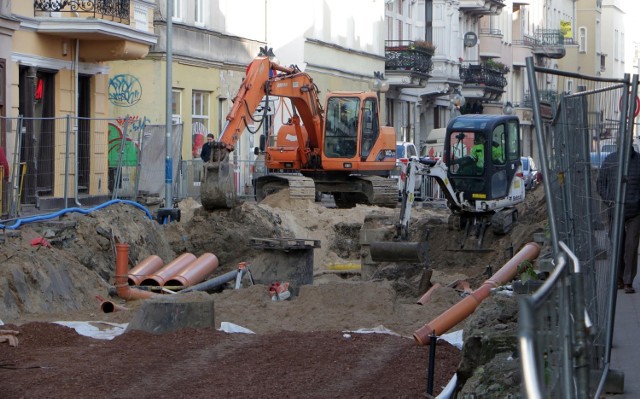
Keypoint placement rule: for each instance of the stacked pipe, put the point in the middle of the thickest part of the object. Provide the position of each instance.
(183, 271)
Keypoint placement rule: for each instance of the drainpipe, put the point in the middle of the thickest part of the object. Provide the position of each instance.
(108, 306)
(161, 277)
(468, 305)
(195, 271)
(122, 287)
(76, 127)
(148, 266)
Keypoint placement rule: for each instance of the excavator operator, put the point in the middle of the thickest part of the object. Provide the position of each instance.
(477, 151)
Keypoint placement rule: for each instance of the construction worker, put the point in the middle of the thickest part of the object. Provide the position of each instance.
(496, 153)
(207, 148)
(477, 151)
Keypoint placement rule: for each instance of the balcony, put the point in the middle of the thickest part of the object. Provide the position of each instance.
(491, 40)
(114, 10)
(481, 7)
(106, 29)
(408, 63)
(548, 102)
(483, 82)
(523, 49)
(550, 43)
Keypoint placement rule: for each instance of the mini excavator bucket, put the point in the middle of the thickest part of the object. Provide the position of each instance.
(217, 188)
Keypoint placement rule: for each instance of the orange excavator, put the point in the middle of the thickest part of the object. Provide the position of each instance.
(344, 151)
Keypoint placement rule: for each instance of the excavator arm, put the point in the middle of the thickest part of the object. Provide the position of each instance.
(263, 78)
(499, 213)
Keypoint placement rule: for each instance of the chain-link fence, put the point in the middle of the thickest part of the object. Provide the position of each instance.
(566, 327)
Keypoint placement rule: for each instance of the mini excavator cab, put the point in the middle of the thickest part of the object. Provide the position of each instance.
(483, 155)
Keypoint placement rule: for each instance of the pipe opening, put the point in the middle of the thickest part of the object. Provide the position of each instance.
(108, 307)
(150, 282)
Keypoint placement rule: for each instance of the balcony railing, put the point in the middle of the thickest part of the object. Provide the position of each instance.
(408, 55)
(545, 38)
(526, 41)
(546, 96)
(549, 37)
(482, 75)
(115, 9)
(490, 31)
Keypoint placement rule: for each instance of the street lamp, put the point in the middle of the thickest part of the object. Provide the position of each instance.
(457, 102)
(508, 108)
(379, 84)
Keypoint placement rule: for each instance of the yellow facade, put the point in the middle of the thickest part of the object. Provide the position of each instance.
(42, 47)
(151, 74)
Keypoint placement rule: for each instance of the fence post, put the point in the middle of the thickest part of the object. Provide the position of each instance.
(119, 169)
(77, 161)
(66, 162)
(15, 193)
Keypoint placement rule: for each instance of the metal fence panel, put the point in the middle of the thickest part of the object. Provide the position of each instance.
(588, 111)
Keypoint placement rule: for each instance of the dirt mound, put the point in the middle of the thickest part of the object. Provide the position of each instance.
(74, 259)
(41, 283)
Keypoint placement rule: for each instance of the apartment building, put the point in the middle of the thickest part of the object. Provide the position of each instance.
(478, 52)
(107, 60)
(439, 58)
(53, 64)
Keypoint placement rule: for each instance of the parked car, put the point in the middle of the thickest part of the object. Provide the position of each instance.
(530, 173)
(406, 150)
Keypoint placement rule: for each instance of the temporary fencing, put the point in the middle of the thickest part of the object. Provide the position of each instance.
(68, 161)
(566, 327)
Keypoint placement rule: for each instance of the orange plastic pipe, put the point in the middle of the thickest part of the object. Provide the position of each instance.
(468, 305)
(149, 265)
(122, 286)
(169, 270)
(427, 295)
(195, 271)
(109, 306)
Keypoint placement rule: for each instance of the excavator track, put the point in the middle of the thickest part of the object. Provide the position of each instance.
(300, 187)
(384, 191)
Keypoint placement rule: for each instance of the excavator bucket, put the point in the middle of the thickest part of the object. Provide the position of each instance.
(217, 188)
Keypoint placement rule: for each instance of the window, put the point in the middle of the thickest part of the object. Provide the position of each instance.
(582, 39)
(498, 141)
(176, 106)
(603, 62)
(177, 10)
(199, 14)
(200, 111)
(616, 44)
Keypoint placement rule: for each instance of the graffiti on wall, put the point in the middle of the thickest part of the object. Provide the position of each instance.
(130, 152)
(124, 90)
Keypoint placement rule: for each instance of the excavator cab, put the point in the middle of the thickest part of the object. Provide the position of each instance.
(483, 155)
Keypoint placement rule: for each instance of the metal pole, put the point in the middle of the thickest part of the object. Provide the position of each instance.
(118, 177)
(432, 362)
(15, 174)
(66, 163)
(533, 85)
(75, 126)
(168, 162)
